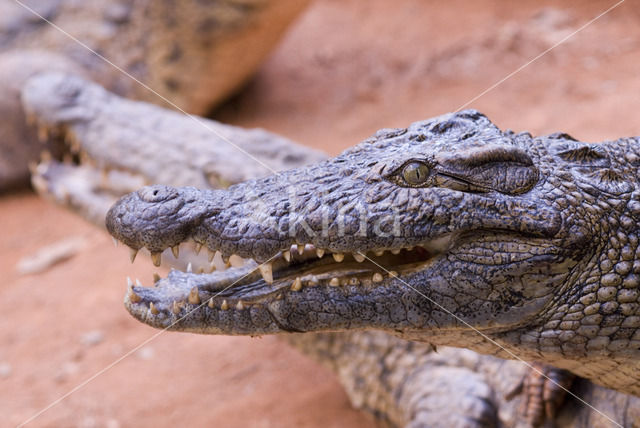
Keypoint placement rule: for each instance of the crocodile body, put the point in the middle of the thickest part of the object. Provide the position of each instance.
(187, 53)
(403, 383)
(465, 229)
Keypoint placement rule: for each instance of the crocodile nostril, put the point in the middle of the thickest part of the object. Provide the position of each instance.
(157, 193)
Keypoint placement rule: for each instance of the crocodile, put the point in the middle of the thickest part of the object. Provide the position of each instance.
(186, 56)
(450, 232)
(403, 383)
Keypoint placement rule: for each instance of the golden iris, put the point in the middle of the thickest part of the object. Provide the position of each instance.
(415, 173)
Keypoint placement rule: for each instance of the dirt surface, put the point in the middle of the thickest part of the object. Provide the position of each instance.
(345, 69)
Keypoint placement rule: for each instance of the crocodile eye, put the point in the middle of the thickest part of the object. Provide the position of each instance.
(415, 173)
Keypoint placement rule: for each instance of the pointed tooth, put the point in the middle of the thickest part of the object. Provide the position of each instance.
(198, 247)
(359, 257)
(189, 268)
(377, 277)
(338, 257)
(175, 308)
(225, 260)
(319, 252)
(156, 278)
(212, 254)
(297, 284)
(313, 281)
(115, 242)
(210, 303)
(334, 282)
(287, 255)
(393, 274)
(138, 283)
(129, 282)
(224, 305)
(156, 259)
(266, 270)
(240, 305)
(378, 253)
(132, 254)
(133, 297)
(176, 251)
(200, 270)
(236, 261)
(194, 296)
(395, 251)
(300, 249)
(153, 309)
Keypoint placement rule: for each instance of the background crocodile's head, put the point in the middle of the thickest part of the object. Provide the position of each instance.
(447, 224)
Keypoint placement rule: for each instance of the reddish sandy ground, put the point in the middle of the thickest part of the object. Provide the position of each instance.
(344, 70)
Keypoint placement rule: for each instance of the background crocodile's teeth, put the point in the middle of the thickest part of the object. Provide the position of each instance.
(378, 253)
(224, 305)
(210, 303)
(176, 251)
(132, 254)
(287, 255)
(359, 257)
(395, 251)
(300, 249)
(319, 252)
(194, 296)
(240, 305)
(266, 270)
(338, 257)
(334, 282)
(377, 277)
(156, 258)
(297, 284)
(393, 274)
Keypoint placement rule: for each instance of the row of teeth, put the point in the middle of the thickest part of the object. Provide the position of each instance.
(266, 269)
(194, 295)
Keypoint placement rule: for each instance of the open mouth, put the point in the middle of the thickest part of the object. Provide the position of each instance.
(302, 268)
(66, 170)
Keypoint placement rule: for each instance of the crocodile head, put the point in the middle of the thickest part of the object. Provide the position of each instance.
(446, 226)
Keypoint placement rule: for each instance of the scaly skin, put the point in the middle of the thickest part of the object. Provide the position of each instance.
(403, 383)
(531, 241)
(140, 143)
(107, 132)
(194, 54)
